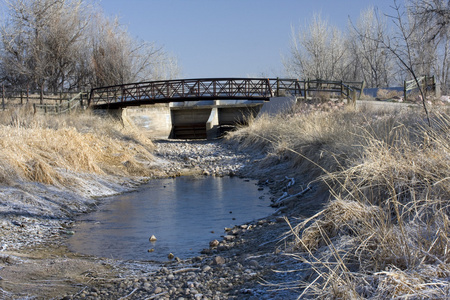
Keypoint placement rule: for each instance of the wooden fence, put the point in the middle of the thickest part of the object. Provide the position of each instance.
(62, 107)
(352, 90)
(427, 83)
(47, 102)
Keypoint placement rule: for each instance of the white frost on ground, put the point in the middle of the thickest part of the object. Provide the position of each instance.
(31, 213)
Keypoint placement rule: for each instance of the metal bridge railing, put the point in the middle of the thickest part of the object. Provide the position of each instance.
(215, 88)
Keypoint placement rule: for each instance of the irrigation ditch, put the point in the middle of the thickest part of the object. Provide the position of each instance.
(349, 240)
(35, 261)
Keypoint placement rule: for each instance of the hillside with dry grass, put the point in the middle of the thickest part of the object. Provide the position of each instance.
(385, 231)
(47, 149)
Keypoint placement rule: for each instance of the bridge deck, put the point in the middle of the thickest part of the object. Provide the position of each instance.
(166, 91)
(190, 90)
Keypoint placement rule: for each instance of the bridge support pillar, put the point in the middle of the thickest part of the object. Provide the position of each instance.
(154, 119)
(202, 121)
(278, 105)
(212, 125)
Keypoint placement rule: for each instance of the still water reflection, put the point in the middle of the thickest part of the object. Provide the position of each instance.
(183, 213)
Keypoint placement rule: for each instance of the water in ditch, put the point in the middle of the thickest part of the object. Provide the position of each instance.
(184, 214)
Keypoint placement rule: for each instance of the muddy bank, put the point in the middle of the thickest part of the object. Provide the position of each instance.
(37, 220)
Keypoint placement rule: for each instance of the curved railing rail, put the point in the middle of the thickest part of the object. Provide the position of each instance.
(165, 91)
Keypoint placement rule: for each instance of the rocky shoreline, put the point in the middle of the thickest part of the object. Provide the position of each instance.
(214, 158)
(241, 266)
(234, 269)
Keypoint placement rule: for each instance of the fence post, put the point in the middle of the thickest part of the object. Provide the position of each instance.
(306, 88)
(3, 96)
(363, 85)
(423, 85)
(348, 95)
(28, 93)
(433, 85)
(298, 87)
(278, 87)
(41, 100)
(404, 89)
(91, 96)
(353, 95)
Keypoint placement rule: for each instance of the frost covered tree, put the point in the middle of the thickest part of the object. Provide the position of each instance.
(317, 51)
(70, 44)
(41, 41)
(433, 25)
(118, 58)
(370, 61)
(414, 42)
(381, 48)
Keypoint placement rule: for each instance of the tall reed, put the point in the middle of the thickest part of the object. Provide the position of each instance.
(45, 148)
(385, 233)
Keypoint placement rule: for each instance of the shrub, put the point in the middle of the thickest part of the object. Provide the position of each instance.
(388, 94)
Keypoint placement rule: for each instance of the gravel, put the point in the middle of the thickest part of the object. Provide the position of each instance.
(232, 270)
(239, 266)
(214, 158)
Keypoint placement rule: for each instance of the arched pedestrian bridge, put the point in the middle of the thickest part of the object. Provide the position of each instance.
(180, 90)
(201, 108)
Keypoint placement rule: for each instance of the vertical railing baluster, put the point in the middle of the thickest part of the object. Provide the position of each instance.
(182, 88)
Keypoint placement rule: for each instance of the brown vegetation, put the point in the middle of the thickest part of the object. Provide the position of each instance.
(385, 231)
(388, 94)
(46, 148)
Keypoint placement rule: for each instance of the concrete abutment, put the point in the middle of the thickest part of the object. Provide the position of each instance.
(197, 120)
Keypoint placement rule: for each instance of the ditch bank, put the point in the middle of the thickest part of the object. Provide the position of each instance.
(34, 261)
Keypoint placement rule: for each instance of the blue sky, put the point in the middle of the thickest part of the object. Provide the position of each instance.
(229, 38)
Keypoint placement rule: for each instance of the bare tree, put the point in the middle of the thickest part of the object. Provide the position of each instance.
(433, 19)
(41, 41)
(435, 13)
(117, 58)
(407, 45)
(317, 51)
(111, 59)
(69, 44)
(369, 60)
(64, 43)
(165, 66)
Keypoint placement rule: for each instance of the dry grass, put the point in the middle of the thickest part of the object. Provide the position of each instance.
(388, 94)
(386, 232)
(46, 148)
(309, 139)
